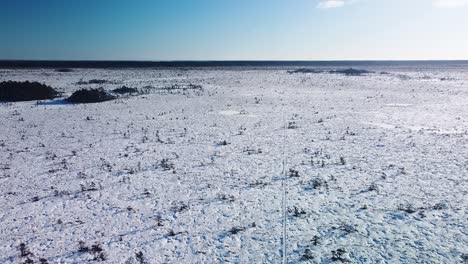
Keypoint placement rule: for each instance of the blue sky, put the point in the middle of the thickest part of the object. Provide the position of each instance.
(233, 29)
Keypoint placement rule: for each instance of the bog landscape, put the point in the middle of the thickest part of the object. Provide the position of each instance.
(359, 164)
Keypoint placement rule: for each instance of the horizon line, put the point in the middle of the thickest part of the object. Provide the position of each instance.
(122, 64)
(229, 60)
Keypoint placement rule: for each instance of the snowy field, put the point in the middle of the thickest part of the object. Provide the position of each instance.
(376, 168)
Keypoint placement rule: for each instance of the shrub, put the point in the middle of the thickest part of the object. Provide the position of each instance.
(292, 125)
(93, 81)
(351, 72)
(63, 70)
(407, 208)
(293, 173)
(223, 143)
(24, 252)
(97, 81)
(25, 91)
(125, 90)
(307, 256)
(96, 250)
(237, 229)
(90, 96)
(304, 70)
(296, 212)
(339, 255)
(140, 258)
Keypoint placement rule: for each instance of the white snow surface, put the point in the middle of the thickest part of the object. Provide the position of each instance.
(377, 168)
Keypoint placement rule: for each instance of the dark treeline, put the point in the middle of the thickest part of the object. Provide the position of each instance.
(25, 64)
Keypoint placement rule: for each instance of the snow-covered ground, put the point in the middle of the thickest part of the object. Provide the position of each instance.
(377, 168)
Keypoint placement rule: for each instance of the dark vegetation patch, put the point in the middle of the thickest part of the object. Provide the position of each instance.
(347, 229)
(25, 91)
(172, 233)
(464, 258)
(174, 89)
(225, 197)
(24, 251)
(89, 187)
(351, 72)
(410, 209)
(293, 173)
(179, 88)
(96, 250)
(308, 255)
(297, 212)
(178, 208)
(183, 87)
(83, 96)
(292, 125)
(125, 90)
(140, 258)
(28, 257)
(222, 143)
(448, 79)
(252, 151)
(339, 255)
(317, 183)
(237, 229)
(404, 77)
(304, 70)
(372, 188)
(63, 70)
(94, 81)
(97, 81)
(407, 208)
(347, 72)
(166, 164)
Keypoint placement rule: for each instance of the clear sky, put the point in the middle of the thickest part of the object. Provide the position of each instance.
(233, 29)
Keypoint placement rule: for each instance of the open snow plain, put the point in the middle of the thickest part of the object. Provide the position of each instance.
(376, 168)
